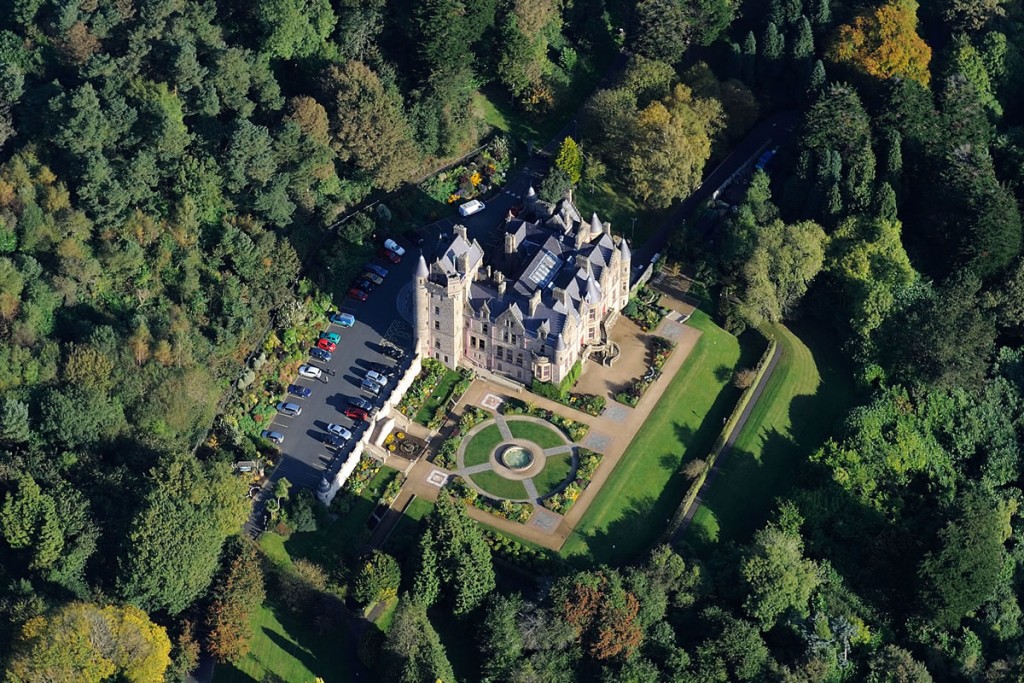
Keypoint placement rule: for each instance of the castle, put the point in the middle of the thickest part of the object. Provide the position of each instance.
(531, 309)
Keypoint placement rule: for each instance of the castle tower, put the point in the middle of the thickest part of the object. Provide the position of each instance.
(625, 263)
(421, 307)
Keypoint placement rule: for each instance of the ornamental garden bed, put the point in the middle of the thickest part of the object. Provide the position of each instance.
(576, 431)
(563, 501)
(422, 387)
(515, 512)
(452, 385)
(445, 456)
(644, 310)
(660, 349)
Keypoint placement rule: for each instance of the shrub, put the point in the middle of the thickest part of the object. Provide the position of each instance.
(378, 579)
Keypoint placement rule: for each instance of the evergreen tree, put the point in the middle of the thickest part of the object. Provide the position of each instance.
(802, 47)
(413, 652)
(748, 72)
(569, 160)
(817, 80)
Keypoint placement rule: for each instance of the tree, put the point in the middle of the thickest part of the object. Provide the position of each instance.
(29, 521)
(187, 504)
(778, 576)
(569, 160)
(734, 651)
(884, 43)
(294, 28)
(963, 571)
(971, 15)
(14, 423)
(892, 664)
(669, 145)
(523, 46)
(236, 595)
(378, 579)
(554, 186)
(368, 126)
(413, 652)
(501, 643)
(87, 643)
(661, 30)
(454, 550)
(784, 261)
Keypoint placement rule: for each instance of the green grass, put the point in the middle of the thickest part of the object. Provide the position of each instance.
(619, 207)
(556, 469)
(284, 646)
(543, 436)
(483, 443)
(646, 487)
(810, 390)
(440, 393)
(405, 535)
(384, 619)
(497, 485)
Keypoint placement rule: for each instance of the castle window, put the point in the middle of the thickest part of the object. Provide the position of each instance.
(472, 342)
(513, 338)
(437, 344)
(485, 328)
(482, 346)
(499, 367)
(446, 360)
(519, 359)
(437, 324)
(504, 336)
(437, 310)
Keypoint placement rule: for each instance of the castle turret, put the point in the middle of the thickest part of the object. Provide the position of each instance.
(421, 308)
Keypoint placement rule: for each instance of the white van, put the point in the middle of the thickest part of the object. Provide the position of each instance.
(471, 207)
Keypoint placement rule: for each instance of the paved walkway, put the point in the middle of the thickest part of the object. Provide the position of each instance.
(727, 446)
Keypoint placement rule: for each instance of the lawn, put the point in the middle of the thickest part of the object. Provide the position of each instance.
(646, 487)
(617, 206)
(483, 443)
(440, 393)
(545, 437)
(556, 469)
(810, 390)
(497, 485)
(406, 534)
(283, 646)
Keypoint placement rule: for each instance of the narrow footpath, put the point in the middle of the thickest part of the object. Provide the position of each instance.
(727, 447)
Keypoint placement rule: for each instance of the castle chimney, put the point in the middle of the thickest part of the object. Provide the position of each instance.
(501, 289)
(462, 262)
(534, 301)
(510, 243)
(561, 295)
(460, 230)
(583, 264)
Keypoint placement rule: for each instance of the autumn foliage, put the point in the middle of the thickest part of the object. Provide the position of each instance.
(237, 594)
(884, 43)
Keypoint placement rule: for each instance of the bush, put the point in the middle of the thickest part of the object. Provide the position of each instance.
(378, 579)
(588, 462)
(302, 512)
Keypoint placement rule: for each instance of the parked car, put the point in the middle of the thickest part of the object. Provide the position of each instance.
(370, 387)
(375, 268)
(311, 371)
(299, 390)
(372, 277)
(360, 402)
(332, 337)
(332, 440)
(289, 408)
(386, 370)
(389, 255)
(392, 352)
(471, 207)
(357, 294)
(344, 319)
(413, 237)
(276, 437)
(338, 430)
(377, 377)
(326, 345)
(363, 284)
(320, 354)
(356, 413)
(394, 246)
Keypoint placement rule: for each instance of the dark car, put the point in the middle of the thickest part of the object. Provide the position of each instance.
(389, 255)
(320, 354)
(357, 294)
(392, 352)
(333, 440)
(375, 268)
(388, 370)
(372, 277)
(276, 437)
(356, 413)
(363, 284)
(371, 387)
(413, 237)
(300, 391)
(360, 402)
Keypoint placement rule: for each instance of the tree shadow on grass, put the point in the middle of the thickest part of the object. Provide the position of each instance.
(723, 373)
(229, 673)
(308, 659)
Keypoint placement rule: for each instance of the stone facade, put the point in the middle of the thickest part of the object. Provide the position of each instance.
(531, 309)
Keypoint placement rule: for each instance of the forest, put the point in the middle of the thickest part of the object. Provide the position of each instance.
(171, 174)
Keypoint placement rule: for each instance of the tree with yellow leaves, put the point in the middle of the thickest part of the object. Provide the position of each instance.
(84, 643)
(884, 43)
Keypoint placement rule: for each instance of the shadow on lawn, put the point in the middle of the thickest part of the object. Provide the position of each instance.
(307, 659)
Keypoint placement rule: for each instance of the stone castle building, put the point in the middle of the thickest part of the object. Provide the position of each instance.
(532, 306)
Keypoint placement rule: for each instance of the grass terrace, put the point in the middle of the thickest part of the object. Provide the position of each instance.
(544, 436)
(479, 448)
(554, 473)
(498, 486)
(646, 487)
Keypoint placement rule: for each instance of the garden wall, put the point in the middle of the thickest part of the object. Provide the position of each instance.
(329, 486)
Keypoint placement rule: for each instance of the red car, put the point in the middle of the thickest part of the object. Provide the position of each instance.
(357, 294)
(356, 413)
(389, 255)
(326, 345)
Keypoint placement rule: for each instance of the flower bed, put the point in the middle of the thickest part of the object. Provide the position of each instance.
(643, 309)
(457, 390)
(514, 512)
(392, 490)
(469, 180)
(364, 472)
(576, 431)
(515, 553)
(661, 349)
(563, 501)
(446, 453)
(422, 387)
(587, 403)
